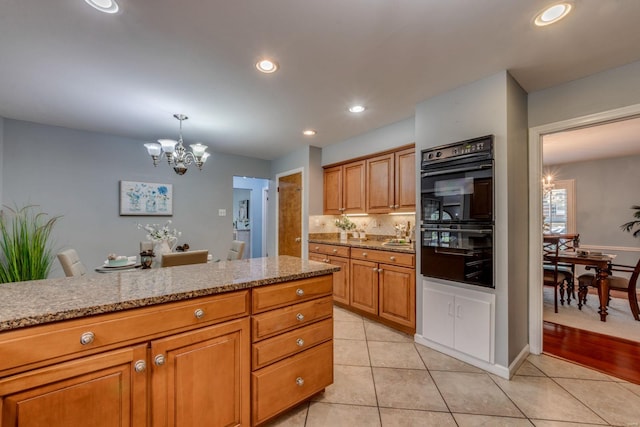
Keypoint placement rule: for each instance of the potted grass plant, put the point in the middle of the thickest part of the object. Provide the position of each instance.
(25, 247)
(629, 226)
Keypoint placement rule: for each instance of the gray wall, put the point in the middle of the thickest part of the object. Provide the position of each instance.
(381, 139)
(605, 191)
(2, 157)
(76, 174)
(489, 106)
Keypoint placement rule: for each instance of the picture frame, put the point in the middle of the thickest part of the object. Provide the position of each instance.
(146, 199)
(243, 211)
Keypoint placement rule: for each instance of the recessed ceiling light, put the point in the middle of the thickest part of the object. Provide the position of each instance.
(309, 132)
(106, 6)
(553, 14)
(357, 108)
(267, 66)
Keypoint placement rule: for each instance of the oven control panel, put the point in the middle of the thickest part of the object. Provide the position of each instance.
(481, 147)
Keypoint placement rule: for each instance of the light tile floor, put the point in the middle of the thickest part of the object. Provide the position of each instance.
(383, 378)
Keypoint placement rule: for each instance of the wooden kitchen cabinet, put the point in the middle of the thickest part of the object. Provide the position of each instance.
(102, 390)
(338, 256)
(364, 286)
(391, 182)
(397, 294)
(344, 189)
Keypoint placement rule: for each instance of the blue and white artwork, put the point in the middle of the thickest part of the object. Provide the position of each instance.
(146, 198)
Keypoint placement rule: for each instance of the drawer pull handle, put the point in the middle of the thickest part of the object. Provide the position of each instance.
(364, 254)
(87, 338)
(300, 317)
(300, 342)
(199, 313)
(299, 381)
(140, 366)
(300, 292)
(327, 260)
(159, 360)
(392, 258)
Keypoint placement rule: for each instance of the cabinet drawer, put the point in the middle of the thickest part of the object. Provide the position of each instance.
(285, 383)
(290, 343)
(284, 319)
(386, 257)
(275, 296)
(41, 343)
(335, 250)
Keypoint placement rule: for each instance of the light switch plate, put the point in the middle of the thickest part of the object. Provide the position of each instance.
(222, 212)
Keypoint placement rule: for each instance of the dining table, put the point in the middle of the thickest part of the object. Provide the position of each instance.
(599, 262)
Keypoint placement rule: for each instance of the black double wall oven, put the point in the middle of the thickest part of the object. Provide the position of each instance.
(457, 221)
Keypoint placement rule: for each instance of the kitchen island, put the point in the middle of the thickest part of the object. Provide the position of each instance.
(228, 343)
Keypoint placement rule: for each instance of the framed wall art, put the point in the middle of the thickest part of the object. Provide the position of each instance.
(146, 198)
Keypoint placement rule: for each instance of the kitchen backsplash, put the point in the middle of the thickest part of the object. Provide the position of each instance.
(371, 224)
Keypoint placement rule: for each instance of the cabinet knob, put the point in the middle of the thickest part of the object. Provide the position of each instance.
(298, 239)
(379, 270)
(396, 206)
(392, 258)
(326, 260)
(159, 360)
(299, 381)
(375, 268)
(335, 251)
(299, 342)
(300, 317)
(140, 366)
(364, 254)
(317, 248)
(300, 292)
(87, 338)
(199, 313)
(390, 206)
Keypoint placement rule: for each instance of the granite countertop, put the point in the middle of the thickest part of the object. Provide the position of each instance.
(32, 303)
(366, 244)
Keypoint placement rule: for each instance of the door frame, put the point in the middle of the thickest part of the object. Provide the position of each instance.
(535, 207)
(265, 222)
(303, 210)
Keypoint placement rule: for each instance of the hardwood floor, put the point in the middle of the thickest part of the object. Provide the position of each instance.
(614, 356)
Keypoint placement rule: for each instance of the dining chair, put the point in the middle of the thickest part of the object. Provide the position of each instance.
(552, 275)
(71, 263)
(184, 258)
(568, 243)
(236, 251)
(619, 283)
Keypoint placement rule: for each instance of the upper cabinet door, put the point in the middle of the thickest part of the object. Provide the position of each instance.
(353, 189)
(333, 191)
(380, 184)
(405, 185)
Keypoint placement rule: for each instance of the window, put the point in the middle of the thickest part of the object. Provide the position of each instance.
(558, 208)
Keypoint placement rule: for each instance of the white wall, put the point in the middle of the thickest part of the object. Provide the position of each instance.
(254, 186)
(76, 174)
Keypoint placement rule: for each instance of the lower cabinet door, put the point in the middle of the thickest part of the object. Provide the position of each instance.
(102, 391)
(290, 381)
(201, 377)
(364, 286)
(398, 295)
(340, 279)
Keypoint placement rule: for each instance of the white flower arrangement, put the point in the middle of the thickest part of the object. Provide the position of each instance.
(344, 223)
(158, 233)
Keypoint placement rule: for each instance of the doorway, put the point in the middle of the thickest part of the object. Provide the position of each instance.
(250, 215)
(535, 204)
(290, 214)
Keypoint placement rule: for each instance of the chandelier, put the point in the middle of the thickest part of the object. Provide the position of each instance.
(177, 156)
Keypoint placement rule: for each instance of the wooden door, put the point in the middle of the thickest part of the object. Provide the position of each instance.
(405, 180)
(364, 286)
(332, 191)
(380, 184)
(353, 187)
(290, 215)
(102, 390)
(204, 377)
(397, 295)
(340, 279)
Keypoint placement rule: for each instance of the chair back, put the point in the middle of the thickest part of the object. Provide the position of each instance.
(550, 247)
(236, 251)
(568, 242)
(71, 263)
(184, 258)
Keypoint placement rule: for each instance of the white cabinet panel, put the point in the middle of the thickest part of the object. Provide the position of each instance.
(461, 319)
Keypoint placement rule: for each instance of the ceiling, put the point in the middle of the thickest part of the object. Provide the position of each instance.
(63, 63)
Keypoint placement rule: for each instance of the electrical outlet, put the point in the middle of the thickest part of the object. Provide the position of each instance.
(374, 223)
(222, 212)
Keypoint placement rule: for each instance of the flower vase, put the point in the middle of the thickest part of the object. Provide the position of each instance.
(343, 235)
(160, 248)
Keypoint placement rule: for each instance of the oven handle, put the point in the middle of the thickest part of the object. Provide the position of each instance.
(463, 169)
(467, 254)
(457, 230)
